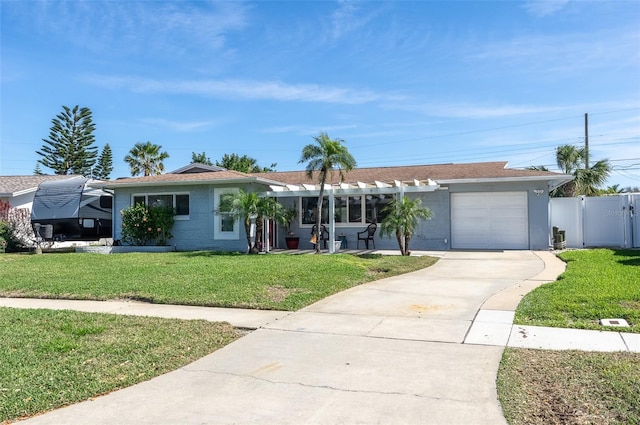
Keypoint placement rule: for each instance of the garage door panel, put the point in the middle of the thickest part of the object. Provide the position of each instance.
(497, 220)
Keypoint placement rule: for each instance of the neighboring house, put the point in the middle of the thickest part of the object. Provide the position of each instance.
(475, 206)
(20, 190)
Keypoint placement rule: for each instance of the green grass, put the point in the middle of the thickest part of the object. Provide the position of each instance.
(281, 282)
(539, 387)
(598, 284)
(573, 387)
(50, 359)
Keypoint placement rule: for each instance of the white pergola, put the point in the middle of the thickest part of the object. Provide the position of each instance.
(349, 189)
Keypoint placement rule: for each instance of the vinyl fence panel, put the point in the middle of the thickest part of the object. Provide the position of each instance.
(635, 220)
(606, 221)
(566, 214)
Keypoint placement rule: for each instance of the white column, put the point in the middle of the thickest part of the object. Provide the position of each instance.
(332, 221)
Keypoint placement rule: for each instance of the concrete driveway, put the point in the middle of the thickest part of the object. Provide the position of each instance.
(388, 352)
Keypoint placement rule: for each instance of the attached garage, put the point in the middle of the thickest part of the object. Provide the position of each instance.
(489, 220)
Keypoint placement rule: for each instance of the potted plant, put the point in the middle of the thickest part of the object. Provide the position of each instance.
(287, 218)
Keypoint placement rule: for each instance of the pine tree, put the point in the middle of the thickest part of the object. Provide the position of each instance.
(104, 166)
(70, 149)
(37, 171)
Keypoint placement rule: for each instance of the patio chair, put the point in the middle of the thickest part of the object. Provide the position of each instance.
(367, 235)
(323, 236)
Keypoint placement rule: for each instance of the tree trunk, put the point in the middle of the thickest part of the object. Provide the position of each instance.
(323, 179)
(247, 228)
(259, 228)
(407, 238)
(400, 243)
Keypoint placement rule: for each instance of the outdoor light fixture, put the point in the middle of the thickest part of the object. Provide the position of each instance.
(538, 192)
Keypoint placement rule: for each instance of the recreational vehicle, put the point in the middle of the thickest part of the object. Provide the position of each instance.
(70, 210)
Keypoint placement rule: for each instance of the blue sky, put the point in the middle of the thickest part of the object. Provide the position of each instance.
(401, 82)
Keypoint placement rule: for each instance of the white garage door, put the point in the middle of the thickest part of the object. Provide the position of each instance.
(489, 220)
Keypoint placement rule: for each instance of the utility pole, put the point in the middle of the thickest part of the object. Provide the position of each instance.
(586, 141)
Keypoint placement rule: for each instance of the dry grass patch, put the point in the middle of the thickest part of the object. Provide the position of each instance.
(541, 387)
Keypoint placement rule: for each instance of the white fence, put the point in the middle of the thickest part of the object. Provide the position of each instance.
(608, 221)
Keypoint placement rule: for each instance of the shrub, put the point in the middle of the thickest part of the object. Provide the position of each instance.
(142, 225)
(16, 230)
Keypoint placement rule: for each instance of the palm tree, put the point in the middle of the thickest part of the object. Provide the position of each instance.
(402, 220)
(146, 159)
(242, 205)
(325, 156)
(247, 206)
(270, 209)
(588, 181)
(572, 160)
(569, 158)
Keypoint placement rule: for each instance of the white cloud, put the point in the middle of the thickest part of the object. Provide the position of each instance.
(348, 17)
(240, 89)
(179, 126)
(551, 54)
(140, 27)
(307, 130)
(474, 111)
(542, 8)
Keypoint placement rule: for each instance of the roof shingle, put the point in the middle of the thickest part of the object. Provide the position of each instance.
(440, 172)
(13, 185)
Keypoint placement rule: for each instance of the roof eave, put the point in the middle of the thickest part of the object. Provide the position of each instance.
(107, 185)
(563, 178)
(25, 191)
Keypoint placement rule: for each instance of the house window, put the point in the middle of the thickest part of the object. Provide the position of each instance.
(182, 204)
(375, 205)
(226, 220)
(356, 209)
(309, 210)
(226, 227)
(178, 201)
(341, 211)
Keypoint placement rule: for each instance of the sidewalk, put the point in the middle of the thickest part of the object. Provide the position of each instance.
(489, 327)
(493, 325)
(237, 317)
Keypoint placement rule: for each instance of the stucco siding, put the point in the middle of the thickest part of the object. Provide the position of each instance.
(195, 232)
(22, 201)
(434, 233)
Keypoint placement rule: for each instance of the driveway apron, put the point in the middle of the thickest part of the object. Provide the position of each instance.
(387, 352)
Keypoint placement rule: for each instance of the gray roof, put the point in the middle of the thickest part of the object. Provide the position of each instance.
(11, 186)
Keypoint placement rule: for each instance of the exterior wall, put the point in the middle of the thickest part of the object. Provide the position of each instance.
(195, 232)
(431, 234)
(22, 201)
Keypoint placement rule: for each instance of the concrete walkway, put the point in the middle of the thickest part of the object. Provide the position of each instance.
(238, 317)
(421, 348)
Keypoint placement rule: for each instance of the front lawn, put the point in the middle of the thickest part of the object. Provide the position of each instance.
(540, 387)
(576, 387)
(49, 359)
(280, 282)
(598, 284)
